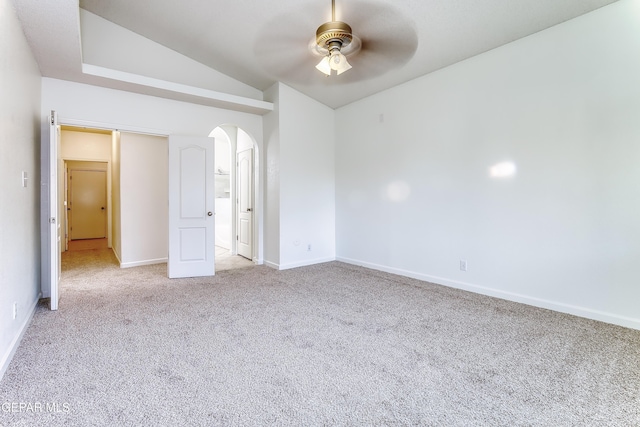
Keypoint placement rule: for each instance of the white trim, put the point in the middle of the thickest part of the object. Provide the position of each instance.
(8, 356)
(114, 127)
(271, 265)
(628, 322)
(238, 103)
(300, 263)
(143, 262)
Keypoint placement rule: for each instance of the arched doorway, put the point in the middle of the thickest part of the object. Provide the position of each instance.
(237, 210)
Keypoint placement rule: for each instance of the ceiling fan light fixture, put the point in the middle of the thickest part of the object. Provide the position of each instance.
(324, 66)
(339, 62)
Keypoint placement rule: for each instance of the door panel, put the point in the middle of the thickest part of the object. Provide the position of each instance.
(191, 207)
(244, 234)
(245, 203)
(88, 204)
(193, 244)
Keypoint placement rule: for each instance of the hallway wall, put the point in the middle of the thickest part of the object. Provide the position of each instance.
(20, 128)
(144, 195)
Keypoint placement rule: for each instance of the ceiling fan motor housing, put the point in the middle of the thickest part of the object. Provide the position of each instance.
(333, 34)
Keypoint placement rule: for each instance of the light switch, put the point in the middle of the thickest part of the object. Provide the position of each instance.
(24, 178)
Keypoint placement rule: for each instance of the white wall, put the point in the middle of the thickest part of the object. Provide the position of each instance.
(244, 141)
(144, 195)
(19, 206)
(89, 105)
(271, 177)
(414, 195)
(300, 179)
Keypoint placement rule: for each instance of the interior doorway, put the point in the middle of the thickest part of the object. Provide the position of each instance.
(87, 200)
(235, 212)
(84, 183)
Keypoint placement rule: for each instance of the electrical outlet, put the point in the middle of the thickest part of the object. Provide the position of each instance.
(463, 265)
(308, 248)
(15, 310)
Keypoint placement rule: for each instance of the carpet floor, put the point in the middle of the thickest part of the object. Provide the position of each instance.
(326, 345)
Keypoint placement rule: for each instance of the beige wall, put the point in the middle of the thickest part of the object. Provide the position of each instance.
(85, 146)
(144, 211)
(20, 86)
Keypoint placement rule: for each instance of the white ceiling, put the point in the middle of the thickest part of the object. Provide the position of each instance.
(259, 43)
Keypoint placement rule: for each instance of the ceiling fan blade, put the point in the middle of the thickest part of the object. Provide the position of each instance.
(283, 45)
(387, 40)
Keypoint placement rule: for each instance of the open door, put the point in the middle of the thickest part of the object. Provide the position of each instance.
(245, 204)
(50, 235)
(191, 206)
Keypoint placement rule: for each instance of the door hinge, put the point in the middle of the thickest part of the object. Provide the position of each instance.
(237, 238)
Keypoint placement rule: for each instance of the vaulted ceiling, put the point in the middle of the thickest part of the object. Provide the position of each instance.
(246, 46)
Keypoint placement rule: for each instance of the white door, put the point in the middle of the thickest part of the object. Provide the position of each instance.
(245, 203)
(50, 236)
(191, 206)
(88, 204)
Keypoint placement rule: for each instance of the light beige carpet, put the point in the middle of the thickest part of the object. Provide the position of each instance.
(330, 344)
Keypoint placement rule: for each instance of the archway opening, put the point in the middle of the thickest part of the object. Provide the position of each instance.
(237, 203)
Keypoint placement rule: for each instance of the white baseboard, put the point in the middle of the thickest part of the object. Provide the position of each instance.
(8, 356)
(575, 310)
(271, 265)
(299, 263)
(143, 262)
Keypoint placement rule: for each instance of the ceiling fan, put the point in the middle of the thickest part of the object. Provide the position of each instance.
(377, 39)
(334, 41)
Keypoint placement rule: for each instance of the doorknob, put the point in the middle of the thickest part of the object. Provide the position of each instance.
(102, 208)
(209, 213)
(248, 209)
